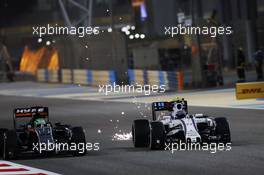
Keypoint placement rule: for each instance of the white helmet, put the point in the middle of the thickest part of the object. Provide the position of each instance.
(178, 110)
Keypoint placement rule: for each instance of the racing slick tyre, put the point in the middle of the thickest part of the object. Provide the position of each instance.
(140, 133)
(78, 137)
(222, 130)
(9, 144)
(2, 131)
(157, 136)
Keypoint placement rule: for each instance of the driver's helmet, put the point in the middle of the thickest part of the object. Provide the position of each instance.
(39, 121)
(178, 111)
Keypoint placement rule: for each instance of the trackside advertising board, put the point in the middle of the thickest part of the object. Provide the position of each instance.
(250, 90)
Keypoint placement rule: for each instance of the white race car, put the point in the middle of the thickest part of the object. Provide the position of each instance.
(172, 123)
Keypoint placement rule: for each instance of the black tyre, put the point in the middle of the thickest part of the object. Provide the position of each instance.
(78, 138)
(2, 131)
(9, 144)
(222, 130)
(157, 136)
(140, 133)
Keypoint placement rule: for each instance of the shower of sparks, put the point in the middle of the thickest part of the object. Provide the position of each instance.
(123, 136)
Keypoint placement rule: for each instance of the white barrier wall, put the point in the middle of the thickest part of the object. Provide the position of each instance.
(77, 76)
(42, 75)
(80, 76)
(66, 76)
(171, 79)
(53, 76)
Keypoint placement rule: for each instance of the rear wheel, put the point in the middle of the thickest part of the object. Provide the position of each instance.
(78, 138)
(222, 130)
(157, 135)
(9, 144)
(140, 133)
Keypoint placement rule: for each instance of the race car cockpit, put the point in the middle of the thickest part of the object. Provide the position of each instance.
(38, 120)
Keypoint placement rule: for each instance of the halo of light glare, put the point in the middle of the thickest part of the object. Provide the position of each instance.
(110, 29)
(131, 37)
(48, 43)
(142, 36)
(137, 35)
(123, 29)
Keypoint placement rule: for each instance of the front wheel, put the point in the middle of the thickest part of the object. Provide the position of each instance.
(222, 130)
(78, 139)
(9, 144)
(157, 136)
(140, 133)
(2, 136)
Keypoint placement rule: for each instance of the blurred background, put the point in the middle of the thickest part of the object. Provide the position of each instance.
(132, 39)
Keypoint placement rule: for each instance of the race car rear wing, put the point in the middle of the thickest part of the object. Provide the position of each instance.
(162, 106)
(166, 106)
(28, 112)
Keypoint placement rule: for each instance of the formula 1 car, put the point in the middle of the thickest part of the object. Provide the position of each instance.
(172, 124)
(32, 127)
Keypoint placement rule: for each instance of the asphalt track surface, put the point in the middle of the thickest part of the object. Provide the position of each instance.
(119, 157)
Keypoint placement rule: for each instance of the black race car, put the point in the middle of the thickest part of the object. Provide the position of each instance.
(33, 133)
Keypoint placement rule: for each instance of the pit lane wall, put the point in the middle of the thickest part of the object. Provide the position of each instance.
(251, 90)
(172, 80)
